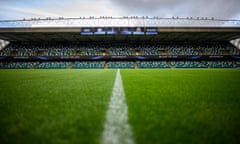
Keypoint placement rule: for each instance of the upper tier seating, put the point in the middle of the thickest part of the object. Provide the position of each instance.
(120, 50)
(181, 49)
(149, 49)
(217, 48)
(117, 49)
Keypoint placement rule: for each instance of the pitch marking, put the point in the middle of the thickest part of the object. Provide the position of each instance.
(116, 128)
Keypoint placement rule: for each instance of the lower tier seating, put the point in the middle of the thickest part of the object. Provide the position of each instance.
(152, 64)
(54, 65)
(188, 64)
(221, 64)
(120, 64)
(88, 65)
(18, 65)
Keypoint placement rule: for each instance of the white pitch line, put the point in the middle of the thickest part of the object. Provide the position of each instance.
(116, 128)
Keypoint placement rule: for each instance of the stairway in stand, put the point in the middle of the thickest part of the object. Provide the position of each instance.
(106, 65)
(135, 65)
(71, 65)
(169, 64)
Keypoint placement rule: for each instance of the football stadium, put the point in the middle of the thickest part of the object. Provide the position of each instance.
(120, 80)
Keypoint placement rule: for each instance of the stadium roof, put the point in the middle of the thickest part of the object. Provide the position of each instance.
(166, 28)
(132, 21)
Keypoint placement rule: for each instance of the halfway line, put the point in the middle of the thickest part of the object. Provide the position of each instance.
(116, 128)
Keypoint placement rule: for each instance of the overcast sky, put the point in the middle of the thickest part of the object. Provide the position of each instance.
(18, 9)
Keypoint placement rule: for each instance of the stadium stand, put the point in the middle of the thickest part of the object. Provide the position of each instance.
(94, 49)
(181, 49)
(54, 65)
(152, 64)
(119, 42)
(217, 48)
(120, 64)
(57, 51)
(149, 50)
(220, 64)
(112, 48)
(88, 64)
(18, 65)
(83, 49)
(188, 64)
(238, 64)
(120, 50)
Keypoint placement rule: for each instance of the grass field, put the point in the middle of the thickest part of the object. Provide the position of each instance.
(184, 106)
(53, 106)
(165, 106)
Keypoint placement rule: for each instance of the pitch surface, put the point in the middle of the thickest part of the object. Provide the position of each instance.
(164, 106)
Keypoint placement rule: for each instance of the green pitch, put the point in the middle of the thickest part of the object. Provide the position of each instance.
(184, 106)
(53, 106)
(164, 106)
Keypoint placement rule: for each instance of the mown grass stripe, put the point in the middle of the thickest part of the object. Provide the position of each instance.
(116, 128)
